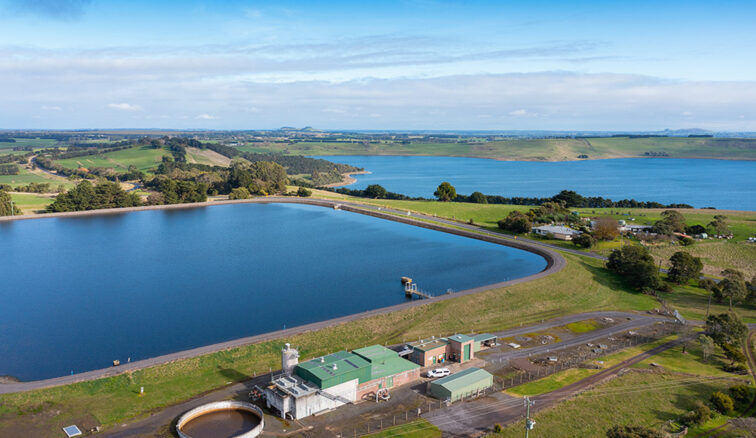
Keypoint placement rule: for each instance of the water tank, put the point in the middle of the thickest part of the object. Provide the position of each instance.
(289, 359)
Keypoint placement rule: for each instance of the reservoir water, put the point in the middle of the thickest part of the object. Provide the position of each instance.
(723, 184)
(78, 293)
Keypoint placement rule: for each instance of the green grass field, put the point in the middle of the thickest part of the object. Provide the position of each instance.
(530, 149)
(586, 326)
(34, 142)
(31, 203)
(25, 177)
(716, 255)
(640, 399)
(143, 157)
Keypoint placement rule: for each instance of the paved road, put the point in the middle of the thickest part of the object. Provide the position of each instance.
(555, 263)
(161, 419)
(473, 418)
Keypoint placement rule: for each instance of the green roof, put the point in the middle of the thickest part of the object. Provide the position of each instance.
(321, 372)
(375, 353)
(460, 338)
(390, 367)
(484, 337)
(463, 379)
(384, 362)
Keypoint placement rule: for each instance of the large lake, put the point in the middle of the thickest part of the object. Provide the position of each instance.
(77, 293)
(722, 184)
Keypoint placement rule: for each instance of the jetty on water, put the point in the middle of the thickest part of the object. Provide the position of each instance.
(410, 289)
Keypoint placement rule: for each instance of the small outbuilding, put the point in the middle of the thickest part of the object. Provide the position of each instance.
(462, 384)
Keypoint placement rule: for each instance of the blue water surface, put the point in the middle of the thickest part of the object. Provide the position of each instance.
(723, 184)
(77, 293)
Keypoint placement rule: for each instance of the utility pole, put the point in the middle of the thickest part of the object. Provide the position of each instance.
(13, 211)
(529, 424)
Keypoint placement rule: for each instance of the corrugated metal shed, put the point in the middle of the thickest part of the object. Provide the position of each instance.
(461, 384)
(481, 338)
(348, 367)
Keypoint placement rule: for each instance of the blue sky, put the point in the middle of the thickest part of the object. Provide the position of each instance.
(419, 64)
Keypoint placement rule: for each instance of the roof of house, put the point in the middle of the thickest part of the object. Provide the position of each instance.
(556, 229)
(463, 379)
(460, 338)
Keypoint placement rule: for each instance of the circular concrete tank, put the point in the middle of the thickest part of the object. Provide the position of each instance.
(226, 419)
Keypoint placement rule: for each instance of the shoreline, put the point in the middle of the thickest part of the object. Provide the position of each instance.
(346, 179)
(555, 262)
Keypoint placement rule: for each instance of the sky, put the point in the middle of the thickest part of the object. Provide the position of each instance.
(389, 64)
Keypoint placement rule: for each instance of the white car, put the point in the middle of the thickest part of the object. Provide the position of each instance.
(438, 372)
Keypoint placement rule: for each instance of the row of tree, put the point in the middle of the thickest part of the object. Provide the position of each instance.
(87, 196)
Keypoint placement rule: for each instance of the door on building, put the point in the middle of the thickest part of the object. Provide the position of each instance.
(466, 355)
(390, 382)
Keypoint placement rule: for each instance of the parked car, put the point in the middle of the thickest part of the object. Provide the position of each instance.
(438, 372)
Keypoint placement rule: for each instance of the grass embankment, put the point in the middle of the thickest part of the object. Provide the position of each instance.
(581, 286)
(416, 429)
(143, 157)
(531, 149)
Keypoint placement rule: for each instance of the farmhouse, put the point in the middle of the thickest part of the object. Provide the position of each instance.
(638, 228)
(558, 231)
(337, 379)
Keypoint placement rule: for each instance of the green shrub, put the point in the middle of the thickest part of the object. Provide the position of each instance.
(239, 193)
(741, 393)
(722, 402)
(699, 415)
(304, 193)
(498, 428)
(736, 368)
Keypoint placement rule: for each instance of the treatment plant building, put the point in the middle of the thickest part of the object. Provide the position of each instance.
(331, 381)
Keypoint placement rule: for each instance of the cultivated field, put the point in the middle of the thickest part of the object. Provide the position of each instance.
(143, 157)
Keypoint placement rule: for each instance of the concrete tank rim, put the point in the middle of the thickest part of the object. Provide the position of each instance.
(227, 405)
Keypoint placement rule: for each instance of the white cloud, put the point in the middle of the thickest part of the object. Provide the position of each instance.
(206, 117)
(518, 113)
(124, 107)
(50, 108)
